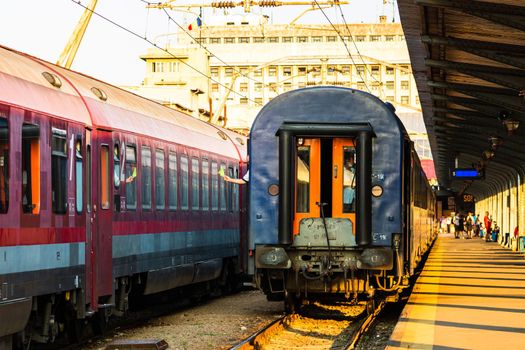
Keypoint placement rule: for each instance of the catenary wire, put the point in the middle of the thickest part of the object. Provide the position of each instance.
(344, 43)
(78, 2)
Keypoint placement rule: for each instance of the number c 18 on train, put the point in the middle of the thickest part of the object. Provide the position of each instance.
(338, 201)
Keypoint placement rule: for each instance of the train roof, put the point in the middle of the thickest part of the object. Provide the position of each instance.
(78, 99)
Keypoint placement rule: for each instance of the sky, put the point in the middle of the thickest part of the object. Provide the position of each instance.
(43, 27)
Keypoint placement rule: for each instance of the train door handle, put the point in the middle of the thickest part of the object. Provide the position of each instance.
(335, 171)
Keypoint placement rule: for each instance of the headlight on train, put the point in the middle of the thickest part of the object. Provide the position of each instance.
(272, 257)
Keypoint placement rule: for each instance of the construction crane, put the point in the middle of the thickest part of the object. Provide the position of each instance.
(70, 50)
(246, 4)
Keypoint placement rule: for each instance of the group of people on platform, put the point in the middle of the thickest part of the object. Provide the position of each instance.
(470, 225)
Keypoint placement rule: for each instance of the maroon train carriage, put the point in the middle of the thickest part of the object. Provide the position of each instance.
(103, 192)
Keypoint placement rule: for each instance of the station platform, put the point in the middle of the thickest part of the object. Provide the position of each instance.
(470, 295)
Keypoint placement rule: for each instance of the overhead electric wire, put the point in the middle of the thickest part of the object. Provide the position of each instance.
(356, 48)
(78, 2)
(344, 42)
(238, 71)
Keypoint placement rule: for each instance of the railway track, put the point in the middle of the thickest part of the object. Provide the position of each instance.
(315, 326)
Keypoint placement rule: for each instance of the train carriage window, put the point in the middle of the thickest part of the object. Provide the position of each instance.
(302, 197)
(349, 179)
(230, 187)
(172, 180)
(116, 166)
(58, 171)
(195, 205)
(160, 197)
(78, 176)
(4, 162)
(184, 185)
(30, 168)
(235, 192)
(104, 177)
(223, 190)
(205, 185)
(130, 170)
(214, 186)
(146, 177)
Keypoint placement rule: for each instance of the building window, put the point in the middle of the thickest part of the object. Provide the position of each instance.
(158, 67)
(347, 39)
(402, 37)
(195, 171)
(345, 69)
(404, 100)
(375, 86)
(172, 180)
(376, 71)
(375, 37)
(30, 168)
(301, 70)
(287, 71)
(228, 71)
(272, 71)
(360, 85)
(301, 84)
(389, 71)
(174, 67)
(331, 70)
(360, 38)
(390, 98)
(258, 39)
(404, 70)
(59, 174)
(104, 177)
(272, 87)
(243, 100)
(200, 40)
(317, 39)
(215, 40)
(244, 40)
(229, 40)
(404, 85)
(273, 39)
(302, 39)
(258, 86)
(159, 179)
(4, 160)
(184, 183)
(214, 71)
(214, 186)
(243, 87)
(390, 85)
(315, 70)
(79, 190)
(146, 177)
(214, 87)
(417, 100)
(257, 73)
(259, 100)
(360, 70)
(287, 39)
(389, 38)
(130, 170)
(205, 185)
(331, 39)
(287, 86)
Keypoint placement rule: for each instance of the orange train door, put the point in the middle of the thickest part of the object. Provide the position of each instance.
(307, 181)
(344, 180)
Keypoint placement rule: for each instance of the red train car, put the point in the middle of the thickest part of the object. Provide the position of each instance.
(103, 193)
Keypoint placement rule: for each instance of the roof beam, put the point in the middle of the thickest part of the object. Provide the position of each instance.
(511, 78)
(504, 53)
(507, 15)
(507, 98)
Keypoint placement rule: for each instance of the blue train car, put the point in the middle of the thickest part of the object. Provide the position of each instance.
(338, 202)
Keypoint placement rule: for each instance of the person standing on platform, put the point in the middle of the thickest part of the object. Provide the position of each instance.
(487, 222)
(469, 223)
(457, 222)
(449, 222)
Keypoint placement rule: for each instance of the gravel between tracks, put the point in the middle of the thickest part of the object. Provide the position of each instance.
(214, 324)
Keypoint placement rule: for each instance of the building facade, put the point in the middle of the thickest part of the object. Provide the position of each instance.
(228, 71)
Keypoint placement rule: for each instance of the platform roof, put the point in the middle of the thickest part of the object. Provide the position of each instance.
(468, 59)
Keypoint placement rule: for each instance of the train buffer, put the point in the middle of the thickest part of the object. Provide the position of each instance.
(470, 295)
